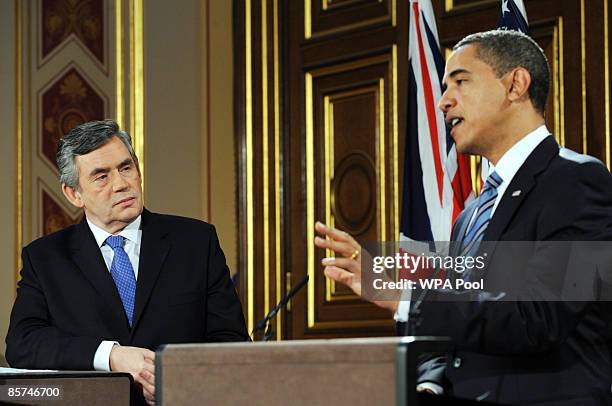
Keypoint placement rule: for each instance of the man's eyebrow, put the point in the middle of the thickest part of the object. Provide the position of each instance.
(95, 171)
(457, 72)
(126, 161)
(454, 73)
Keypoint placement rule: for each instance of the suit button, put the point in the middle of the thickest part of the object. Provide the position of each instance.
(457, 362)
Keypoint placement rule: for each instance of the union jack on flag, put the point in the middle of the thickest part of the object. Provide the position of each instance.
(437, 181)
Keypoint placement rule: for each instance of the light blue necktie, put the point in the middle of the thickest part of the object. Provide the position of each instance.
(476, 231)
(123, 275)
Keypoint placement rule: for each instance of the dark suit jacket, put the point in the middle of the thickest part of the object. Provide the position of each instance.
(531, 351)
(67, 302)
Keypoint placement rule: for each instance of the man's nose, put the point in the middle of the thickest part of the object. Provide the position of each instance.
(445, 102)
(119, 183)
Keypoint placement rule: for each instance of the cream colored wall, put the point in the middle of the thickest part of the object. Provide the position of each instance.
(223, 156)
(173, 107)
(177, 102)
(7, 166)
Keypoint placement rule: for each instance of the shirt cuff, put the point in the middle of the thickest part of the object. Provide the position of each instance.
(101, 360)
(434, 387)
(403, 308)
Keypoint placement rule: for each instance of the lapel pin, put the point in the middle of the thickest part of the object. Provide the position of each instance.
(516, 193)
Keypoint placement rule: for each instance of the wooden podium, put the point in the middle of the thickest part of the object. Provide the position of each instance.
(362, 371)
(66, 388)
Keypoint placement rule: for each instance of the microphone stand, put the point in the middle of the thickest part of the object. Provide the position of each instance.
(265, 322)
(414, 314)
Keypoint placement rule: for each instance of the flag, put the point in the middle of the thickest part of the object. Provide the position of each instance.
(437, 181)
(513, 16)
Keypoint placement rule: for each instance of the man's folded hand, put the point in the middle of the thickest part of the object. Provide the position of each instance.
(140, 363)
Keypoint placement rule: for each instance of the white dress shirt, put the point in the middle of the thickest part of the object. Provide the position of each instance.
(506, 168)
(513, 159)
(133, 237)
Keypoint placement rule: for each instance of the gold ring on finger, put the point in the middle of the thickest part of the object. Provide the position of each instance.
(355, 254)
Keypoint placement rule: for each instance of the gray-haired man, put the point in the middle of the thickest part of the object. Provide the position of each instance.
(105, 293)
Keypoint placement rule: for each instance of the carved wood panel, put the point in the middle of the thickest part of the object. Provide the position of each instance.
(346, 101)
(323, 18)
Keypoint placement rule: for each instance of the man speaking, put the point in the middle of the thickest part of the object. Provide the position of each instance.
(530, 351)
(105, 293)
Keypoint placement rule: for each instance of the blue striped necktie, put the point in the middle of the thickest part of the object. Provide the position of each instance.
(486, 201)
(123, 274)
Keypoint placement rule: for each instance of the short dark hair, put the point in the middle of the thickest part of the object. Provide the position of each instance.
(82, 140)
(504, 50)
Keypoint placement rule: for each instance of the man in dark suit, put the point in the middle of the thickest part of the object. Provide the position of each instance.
(532, 347)
(105, 293)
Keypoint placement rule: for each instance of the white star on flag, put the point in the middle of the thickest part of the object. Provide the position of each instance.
(505, 7)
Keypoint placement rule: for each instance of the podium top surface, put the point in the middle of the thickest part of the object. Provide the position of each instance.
(7, 373)
(371, 349)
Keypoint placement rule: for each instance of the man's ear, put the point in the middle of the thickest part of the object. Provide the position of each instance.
(73, 196)
(519, 80)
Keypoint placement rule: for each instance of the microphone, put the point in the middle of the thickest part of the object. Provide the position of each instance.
(263, 322)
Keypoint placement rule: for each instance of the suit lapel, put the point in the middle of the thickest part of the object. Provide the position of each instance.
(87, 256)
(523, 181)
(153, 251)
